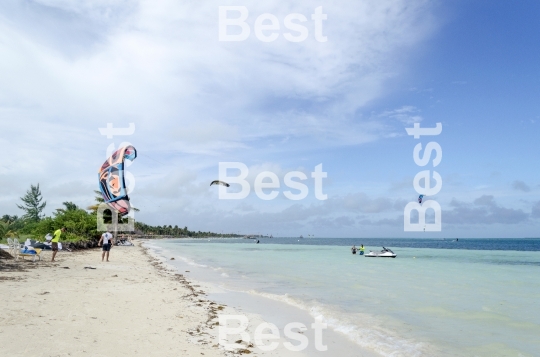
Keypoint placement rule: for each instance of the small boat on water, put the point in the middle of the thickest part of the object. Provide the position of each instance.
(384, 253)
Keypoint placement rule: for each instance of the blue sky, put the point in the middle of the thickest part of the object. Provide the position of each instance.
(70, 68)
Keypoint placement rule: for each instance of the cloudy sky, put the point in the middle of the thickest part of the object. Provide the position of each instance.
(68, 68)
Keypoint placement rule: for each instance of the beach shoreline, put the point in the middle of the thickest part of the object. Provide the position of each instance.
(419, 304)
(264, 309)
(136, 304)
(132, 305)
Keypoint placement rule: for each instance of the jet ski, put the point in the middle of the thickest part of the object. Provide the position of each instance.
(384, 253)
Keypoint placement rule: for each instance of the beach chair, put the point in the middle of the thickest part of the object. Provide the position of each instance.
(34, 256)
(16, 247)
(10, 245)
(17, 251)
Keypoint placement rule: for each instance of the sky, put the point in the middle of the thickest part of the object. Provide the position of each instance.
(342, 97)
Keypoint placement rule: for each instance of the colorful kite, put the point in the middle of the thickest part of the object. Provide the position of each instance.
(111, 179)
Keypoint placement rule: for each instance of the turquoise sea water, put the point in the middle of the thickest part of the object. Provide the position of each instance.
(435, 299)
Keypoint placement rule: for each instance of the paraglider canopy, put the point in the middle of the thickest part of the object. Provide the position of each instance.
(111, 179)
(217, 182)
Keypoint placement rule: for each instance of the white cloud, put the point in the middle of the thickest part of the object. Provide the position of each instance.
(484, 210)
(69, 68)
(160, 62)
(407, 114)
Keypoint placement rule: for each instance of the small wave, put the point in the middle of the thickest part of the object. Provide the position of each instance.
(369, 334)
(163, 253)
(191, 262)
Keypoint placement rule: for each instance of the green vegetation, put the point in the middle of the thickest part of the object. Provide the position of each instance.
(81, 224)
(32, 204)
(175, 231)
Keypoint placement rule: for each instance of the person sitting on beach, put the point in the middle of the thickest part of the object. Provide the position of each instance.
(55, 240)
(353, 249)
(106, 238)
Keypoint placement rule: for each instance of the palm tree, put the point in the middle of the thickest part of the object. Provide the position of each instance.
(70, 206)
(99, 200)
(5, 231)
(32, 204)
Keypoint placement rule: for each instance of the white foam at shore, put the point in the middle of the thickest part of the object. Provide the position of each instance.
(390, 306)
(373, 338)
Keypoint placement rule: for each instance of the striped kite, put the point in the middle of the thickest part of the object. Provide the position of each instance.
(111, 179)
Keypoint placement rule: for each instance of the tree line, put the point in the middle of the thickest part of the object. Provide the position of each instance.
(80, 223)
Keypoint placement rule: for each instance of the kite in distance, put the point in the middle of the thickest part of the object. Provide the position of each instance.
(111, 179)
(420, 198)
(217, 182)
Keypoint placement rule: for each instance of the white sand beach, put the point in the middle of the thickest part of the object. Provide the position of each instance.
(127, 307)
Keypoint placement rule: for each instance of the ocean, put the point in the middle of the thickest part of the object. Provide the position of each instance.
(470, 297)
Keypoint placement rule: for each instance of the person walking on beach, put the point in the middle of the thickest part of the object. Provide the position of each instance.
(106, 238)
(55, 240)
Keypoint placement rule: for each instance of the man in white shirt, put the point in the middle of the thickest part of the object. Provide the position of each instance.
(106, 238)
